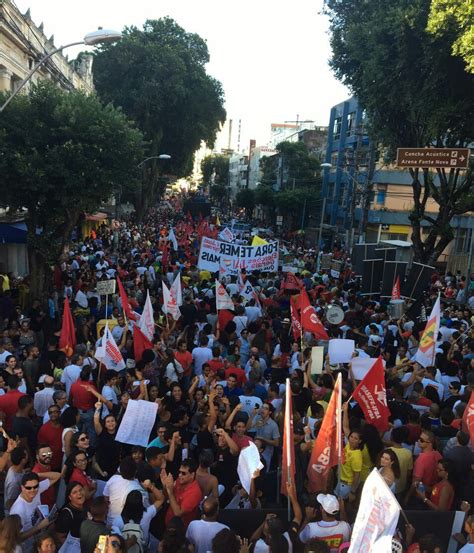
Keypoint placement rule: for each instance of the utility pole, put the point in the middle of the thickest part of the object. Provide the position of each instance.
(366, 194)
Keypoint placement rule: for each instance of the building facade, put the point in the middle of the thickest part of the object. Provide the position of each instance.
(256, 155)
(238, 173)
(23, 44)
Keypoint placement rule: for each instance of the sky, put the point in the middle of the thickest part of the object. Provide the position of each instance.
(271, 56)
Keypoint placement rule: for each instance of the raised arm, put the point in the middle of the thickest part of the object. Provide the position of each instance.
(212, 411)
(233, 447)
(230, 418)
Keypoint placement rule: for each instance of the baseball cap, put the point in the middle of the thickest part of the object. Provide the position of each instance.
(329, 503)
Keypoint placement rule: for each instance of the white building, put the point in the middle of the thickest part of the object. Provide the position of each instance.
(238, 173)
(256, 155)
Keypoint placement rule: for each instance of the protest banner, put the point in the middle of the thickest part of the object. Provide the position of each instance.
(215, 254)
(340, 350)
(249, 462)
(137, 422)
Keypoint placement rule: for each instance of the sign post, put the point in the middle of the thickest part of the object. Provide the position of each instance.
(104, 288)
(436, 158)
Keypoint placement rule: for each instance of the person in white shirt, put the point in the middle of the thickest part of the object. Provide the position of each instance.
(119, 486)
(252, 311)
(329, 529)
(431, 380)
(81, 297)
(26, 505)
(108, 390)
(201, 355)
(119, 329)
(71, 372)
(248, 400)
(59, 399)
(3, 352)
(44, 398)
(201, 532)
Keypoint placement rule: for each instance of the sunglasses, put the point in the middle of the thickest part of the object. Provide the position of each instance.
(29, 488)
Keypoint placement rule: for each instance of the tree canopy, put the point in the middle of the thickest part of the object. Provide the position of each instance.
(246, 199)
(415, 93)
(215, 167)
(456, 17)
(157, 75)
(62, 154)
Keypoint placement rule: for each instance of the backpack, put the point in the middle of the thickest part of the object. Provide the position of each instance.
(131, 530)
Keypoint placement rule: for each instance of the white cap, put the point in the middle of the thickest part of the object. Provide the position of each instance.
(329, 503)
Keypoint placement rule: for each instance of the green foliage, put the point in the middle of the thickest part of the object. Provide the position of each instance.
(217, 165)
(218, 192)
(414, 91)
(62, 154)
(455, 17)
(158, 76)
(246, 199)
(264, 195)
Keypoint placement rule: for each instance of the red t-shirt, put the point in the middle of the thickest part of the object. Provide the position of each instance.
(80, 477)
(424, 468)
(185, 359)
(9, 406)
(239, 373)
(215, 364)
(188, 498)
(48, 497)
(81, 398)
(242, 442)
(48, 434)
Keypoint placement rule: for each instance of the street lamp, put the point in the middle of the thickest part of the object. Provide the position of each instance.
(161, 156)
(101, 36)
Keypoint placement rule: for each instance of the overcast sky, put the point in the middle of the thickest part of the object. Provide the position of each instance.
(270, 55)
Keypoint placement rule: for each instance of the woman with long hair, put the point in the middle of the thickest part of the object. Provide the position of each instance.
(70, 518)
(69, 420)
(390, 468)
(10, 529)
(108, 450)
(371, 451)
(76, 467)
(45, 544)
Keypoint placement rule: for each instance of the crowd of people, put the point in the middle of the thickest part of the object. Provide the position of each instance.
(219, 381)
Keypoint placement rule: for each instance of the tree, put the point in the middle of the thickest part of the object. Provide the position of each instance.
(215, 169)
(62, 154)
(456, 16)
(415, 93)
(158, 76)
(245, 198)
(219, 194)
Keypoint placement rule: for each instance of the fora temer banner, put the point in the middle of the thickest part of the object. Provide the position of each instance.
(217, 256)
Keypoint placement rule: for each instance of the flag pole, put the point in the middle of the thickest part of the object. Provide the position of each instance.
(339, 433)
(288, 445)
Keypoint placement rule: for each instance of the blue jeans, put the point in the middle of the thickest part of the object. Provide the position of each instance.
(342, 490)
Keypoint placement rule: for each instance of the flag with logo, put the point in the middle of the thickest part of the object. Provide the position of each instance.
(147, 320)
(468, 418)
(288, 458)
(108, 352)
(377, 517)
(246, 290)
(226, 235)
(327, 448)
(370, 394)
(223, 300)
(295, 317)
(425, 355)
(176, 290)
(140, 343)
(67, 338)
(169, 303)
(396, 289)
(126, 307)
(309, 319)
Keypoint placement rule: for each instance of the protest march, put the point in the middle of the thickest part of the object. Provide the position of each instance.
(186, 388)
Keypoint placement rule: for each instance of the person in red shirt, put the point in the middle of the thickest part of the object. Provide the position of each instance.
(44, 455)
(51, 433)
(426, 464)
(76, 472)
(184, 495)
(184, 357)
(9, 401)
(216, 363)
(237, 371)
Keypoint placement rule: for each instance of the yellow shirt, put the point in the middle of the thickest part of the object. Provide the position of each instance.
(405, 460)
(205, 275)
(352, 464)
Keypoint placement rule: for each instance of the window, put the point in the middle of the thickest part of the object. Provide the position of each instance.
(350, 123)
(337, 127)
(463, 240)
(381, 197)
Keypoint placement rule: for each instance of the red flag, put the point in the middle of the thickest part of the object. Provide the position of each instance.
(140, 343)
(164, 261)
(288, 459)
(396, 289)
(370, 394)
(295, 317)
(309, 319)
(327, 449)
(468, 418)
(67, 339)
(291, 282)
(127, 308)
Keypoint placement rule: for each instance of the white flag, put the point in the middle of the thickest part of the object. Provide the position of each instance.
(223, 300)
(108, 352)
(226, 235)
(426, 353)
(247, 291)
(176, 291)
(169, 303)
(377, 517)
(172, 239)
(147, 320)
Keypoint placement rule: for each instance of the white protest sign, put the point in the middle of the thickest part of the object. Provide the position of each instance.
(214, 255)
(317, 359)
(137, 422)
(226, 235)
(106, 287)
(249, 462)
(361, 366)
(340, 351)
